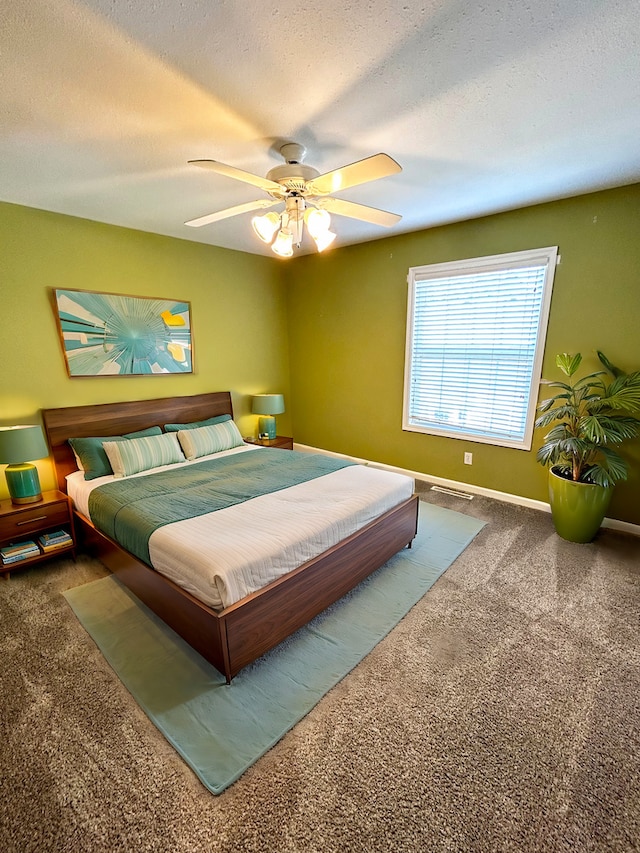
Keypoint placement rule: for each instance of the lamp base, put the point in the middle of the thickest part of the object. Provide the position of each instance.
(23, 483)
(267, 426)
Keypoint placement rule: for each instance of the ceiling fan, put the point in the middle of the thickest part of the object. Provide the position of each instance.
(307, 199)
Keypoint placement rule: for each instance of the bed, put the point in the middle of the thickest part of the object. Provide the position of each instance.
(233, 635)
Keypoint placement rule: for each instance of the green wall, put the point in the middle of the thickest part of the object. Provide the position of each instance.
(347, 315)
(238, 308)
(326, 330)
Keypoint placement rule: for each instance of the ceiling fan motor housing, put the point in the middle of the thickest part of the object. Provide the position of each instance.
(293, 176)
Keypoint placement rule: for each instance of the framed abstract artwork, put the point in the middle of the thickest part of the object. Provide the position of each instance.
(108, 334)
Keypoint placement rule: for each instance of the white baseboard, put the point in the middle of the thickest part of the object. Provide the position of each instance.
(505, 497)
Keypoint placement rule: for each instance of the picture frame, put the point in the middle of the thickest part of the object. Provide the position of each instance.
(112, 334)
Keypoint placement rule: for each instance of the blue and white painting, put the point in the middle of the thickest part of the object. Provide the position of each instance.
(106, 334)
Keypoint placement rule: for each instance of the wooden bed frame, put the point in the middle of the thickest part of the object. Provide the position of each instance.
(236, 636)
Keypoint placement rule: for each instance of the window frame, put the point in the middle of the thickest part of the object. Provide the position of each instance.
(547, 257)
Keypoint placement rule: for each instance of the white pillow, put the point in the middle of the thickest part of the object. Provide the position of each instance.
(209, 439)
(141, 454)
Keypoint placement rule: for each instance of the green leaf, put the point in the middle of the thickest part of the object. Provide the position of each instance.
(594, 429)
(546, 404)
(618, 428)
(556, 384)
(559, 433)
(566, 411)
(568, 363)
(610, 367)
(545, 420)
(615, 465)
(548, 454)
(592, 379)
(597, 475)
(624, 393)
(564, 468)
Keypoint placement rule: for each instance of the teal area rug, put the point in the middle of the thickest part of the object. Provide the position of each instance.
(222, 730)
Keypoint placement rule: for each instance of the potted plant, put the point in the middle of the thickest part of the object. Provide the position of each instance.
(589, 418)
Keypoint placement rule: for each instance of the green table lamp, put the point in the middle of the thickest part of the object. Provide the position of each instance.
(267, 405)
(17, 444)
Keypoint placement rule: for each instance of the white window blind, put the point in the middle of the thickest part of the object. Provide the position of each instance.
(475, 339)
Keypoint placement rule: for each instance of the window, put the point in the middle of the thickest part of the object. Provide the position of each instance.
(475, 339)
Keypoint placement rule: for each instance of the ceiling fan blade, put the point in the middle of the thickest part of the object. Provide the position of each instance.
(232, 211)
(238, 174)
(360, 211)
(369, 169)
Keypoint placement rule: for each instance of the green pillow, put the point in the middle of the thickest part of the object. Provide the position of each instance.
(219, 419)
(210, 439)
(141, 454)
(91, 456)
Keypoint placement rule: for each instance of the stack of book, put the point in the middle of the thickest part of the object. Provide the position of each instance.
(53, 541)
(21, 551)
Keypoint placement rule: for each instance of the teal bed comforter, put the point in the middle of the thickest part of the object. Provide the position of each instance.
(130, 509)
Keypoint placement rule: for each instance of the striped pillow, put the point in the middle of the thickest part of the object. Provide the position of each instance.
(140, 454)
(209, 439)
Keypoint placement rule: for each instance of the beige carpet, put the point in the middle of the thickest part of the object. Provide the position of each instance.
(502, 714)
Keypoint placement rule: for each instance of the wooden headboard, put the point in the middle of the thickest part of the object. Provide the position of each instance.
(120, 418)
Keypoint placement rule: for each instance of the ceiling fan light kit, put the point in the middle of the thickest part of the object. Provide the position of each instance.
(266, 226)
(317, 220)
(305, 193)
(283, 244)
(289, 226)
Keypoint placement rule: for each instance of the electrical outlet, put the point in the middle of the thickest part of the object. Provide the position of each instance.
(468, 458)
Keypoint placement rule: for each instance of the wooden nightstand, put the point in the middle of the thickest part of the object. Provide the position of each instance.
(28, 521)
(283, 441)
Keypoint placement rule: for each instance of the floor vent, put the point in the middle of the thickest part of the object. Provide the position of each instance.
(451, 492)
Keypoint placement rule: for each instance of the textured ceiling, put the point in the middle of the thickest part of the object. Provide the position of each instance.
(487, 106)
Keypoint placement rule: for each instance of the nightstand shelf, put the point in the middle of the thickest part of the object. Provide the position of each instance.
(20, 523)
(283, 441)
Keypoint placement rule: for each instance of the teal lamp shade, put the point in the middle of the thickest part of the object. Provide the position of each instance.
(267, 405)
(18, 444)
